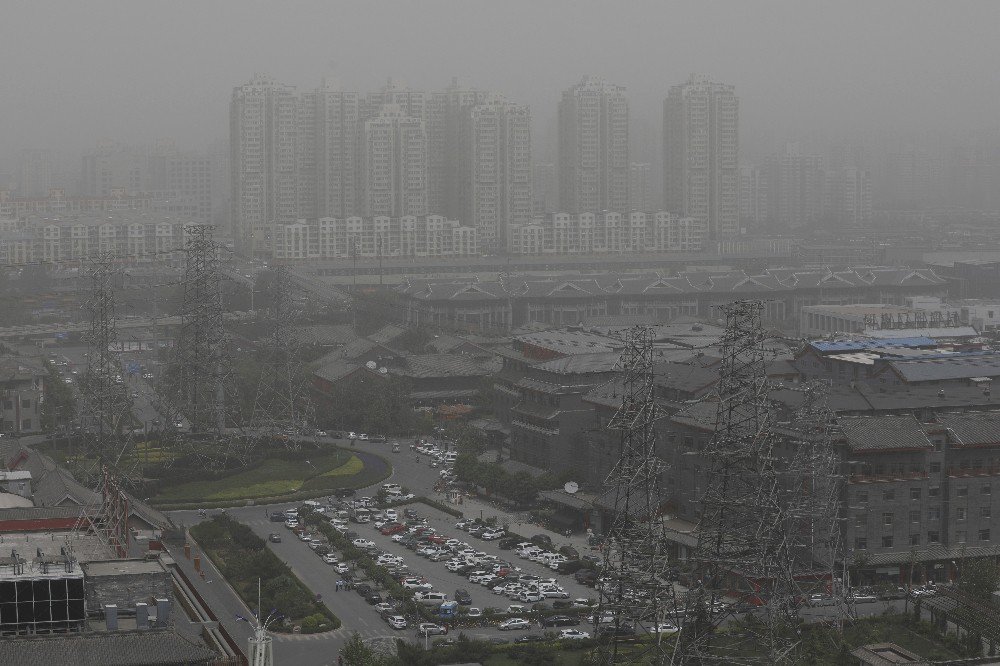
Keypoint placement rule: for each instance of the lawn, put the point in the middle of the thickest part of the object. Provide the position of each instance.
(270, 478)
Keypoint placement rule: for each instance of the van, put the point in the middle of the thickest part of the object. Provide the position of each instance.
(432, 598)
(394, 488)
(449, 457)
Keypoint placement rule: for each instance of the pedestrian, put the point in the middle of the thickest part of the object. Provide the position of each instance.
(340, 660)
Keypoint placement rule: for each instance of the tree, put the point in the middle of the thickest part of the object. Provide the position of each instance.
(356, 653)
(980, 578)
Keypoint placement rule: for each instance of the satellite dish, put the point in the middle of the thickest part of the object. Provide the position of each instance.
(371, 365)
(383, 371)
(571, 487)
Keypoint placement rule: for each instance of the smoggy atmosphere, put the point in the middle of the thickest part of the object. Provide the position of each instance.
(452, 332)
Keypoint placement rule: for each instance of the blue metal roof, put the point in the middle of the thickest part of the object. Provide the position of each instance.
(836, 346)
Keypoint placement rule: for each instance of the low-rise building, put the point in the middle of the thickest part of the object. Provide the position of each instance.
(22, 387)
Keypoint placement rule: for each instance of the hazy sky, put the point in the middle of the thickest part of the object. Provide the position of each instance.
(77, 72)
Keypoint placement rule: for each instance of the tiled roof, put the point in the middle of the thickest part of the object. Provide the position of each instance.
(582, 363)
(151, 647)
(883, 432)
(702, 415)
(336, 369)
(421, 366)
(326, 334)
(972, 428)
(686, 378)
(387, 334)
(571, 342)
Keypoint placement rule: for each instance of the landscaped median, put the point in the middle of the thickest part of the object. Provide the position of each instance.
(244, 559)
(285, 476)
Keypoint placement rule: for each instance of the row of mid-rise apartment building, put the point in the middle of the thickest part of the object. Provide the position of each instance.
(329, 153)
(406, 236)
(608, 232)
(130, 236)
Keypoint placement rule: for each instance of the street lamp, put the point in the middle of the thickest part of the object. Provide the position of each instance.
(261, 643)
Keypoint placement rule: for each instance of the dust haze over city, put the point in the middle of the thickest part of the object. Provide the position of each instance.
(443, 332)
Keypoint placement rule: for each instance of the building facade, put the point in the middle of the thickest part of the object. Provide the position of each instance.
(701, 154)
(593, 147)
(263, 125)
(393, 164)
(608, 232)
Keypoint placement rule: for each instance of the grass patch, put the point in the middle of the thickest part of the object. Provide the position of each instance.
(244, 559)
(269, 478)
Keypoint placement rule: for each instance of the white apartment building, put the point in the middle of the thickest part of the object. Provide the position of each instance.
(701, 154)
(608, 232)
(494, 169)
(393, 165)
(406, 236)
(593, 147)
(640, 186)
(264, 142)
(131, 237)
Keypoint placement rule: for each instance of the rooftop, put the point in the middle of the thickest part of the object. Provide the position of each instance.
(127, 567)
(151, 647)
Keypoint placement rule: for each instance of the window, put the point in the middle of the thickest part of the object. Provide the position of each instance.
(935, 467)
(934, 513)
(914, 516)
(985, 512)
(862, 497)
(860, 520)
(914, 539)
(887, 518)
(960, 536)
(933, 491)
(25, 403)
(914, 493)
(961, 513)
(887, 542)
(932, 536)
(985, 489)
(984, 535)
(860, 543)
(961, 491)
(888, 495)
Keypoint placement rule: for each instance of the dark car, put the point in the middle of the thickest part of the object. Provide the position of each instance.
(543, 540)
(410, 513)
(585, 576)
(560, 621)
(611, 630)
(463, 597)
(570, 552)
(343, 492)
(277, 517)
(363, 590)
(373, 598)
(507, 543)
(530, 638)
(274, 538)
(499, 580)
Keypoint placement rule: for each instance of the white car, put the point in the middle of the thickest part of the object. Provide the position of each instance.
(555, 594)
(474, 612)
(398, 537)
(397, 622)
(665, 628)
(573, 635)
(341, 568)
(330, 558)
(530, 597)
(391, 515)
(363, 543)
(416, 584)
(514, 623)
(363, 437)
(491, 535)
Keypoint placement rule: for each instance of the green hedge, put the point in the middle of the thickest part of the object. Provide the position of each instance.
(450, 510)
(243, 558)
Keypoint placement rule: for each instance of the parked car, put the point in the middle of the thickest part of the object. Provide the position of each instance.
(277, 517)
(430, 629)
(514, 623)
(373, 598)
(274, 538)
(463, 597)
(475, 612)
(573, 635)
(363, 590)
(397, 622)
(560, 621)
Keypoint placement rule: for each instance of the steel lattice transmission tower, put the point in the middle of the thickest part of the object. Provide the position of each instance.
(816, 494)
(743, 534)
(108, 407)
(635, 591)
(282, 398)
(202, 362)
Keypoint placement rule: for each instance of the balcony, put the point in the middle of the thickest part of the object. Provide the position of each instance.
(958, 473)
(886, 478)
